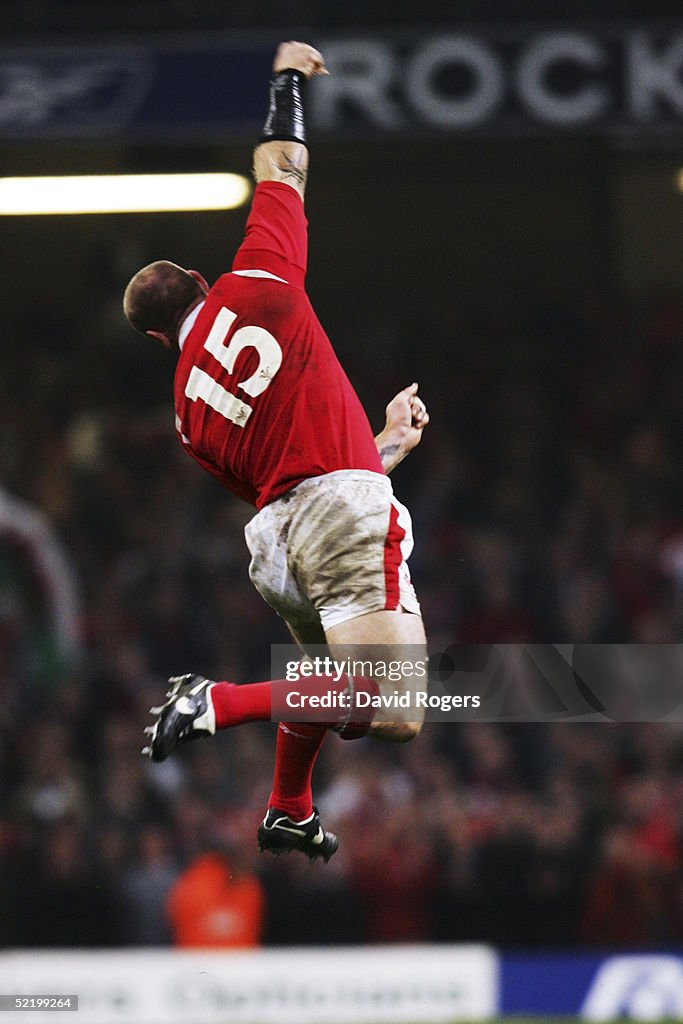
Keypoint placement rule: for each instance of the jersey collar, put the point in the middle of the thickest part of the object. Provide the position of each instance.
(187, 324)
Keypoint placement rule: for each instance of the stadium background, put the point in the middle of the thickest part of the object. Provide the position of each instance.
(530, 279)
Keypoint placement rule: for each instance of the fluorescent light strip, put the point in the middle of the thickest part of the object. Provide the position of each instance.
(122, 193)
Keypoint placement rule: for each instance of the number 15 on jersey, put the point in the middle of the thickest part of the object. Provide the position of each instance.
(200, 385)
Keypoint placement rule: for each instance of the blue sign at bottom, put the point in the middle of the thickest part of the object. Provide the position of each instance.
(598, 988)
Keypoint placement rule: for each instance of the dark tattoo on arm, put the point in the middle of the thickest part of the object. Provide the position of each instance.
(387, 453)
(290, 170)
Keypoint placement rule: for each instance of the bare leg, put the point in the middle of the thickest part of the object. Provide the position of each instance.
(392, 631)
(309, 635)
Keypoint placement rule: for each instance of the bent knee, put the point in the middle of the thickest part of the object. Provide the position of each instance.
(396, 732)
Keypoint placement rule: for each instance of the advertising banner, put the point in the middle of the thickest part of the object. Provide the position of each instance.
(363, 985)
(623, 79)
(596, 988)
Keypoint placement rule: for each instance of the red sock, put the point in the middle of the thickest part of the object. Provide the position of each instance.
(296, 751)
(260, 702)
(235, 705)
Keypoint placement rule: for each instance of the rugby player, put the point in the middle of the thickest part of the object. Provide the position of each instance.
(263, 404)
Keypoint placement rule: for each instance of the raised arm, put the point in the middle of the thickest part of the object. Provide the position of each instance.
(282, 154)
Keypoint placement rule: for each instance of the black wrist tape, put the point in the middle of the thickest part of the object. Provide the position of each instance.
(285, 120)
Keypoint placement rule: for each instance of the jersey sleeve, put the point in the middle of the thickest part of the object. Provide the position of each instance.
(276, 238)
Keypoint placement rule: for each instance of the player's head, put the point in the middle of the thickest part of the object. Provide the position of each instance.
(158, 298)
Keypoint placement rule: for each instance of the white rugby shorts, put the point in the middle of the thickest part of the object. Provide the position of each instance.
(333, 548)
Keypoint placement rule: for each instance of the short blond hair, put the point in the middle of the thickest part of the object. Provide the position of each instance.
(157, 296)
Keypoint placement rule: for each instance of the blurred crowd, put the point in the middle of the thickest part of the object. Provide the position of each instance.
(546, 502)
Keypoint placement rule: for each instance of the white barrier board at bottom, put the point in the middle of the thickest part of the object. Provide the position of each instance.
(350, 985)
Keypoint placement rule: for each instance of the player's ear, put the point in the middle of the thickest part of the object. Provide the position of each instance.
(163, 338)
(201, 281)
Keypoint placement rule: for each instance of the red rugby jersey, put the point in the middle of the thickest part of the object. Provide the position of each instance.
(261, 400)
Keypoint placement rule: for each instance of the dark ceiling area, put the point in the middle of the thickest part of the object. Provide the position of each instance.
(55, 17)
